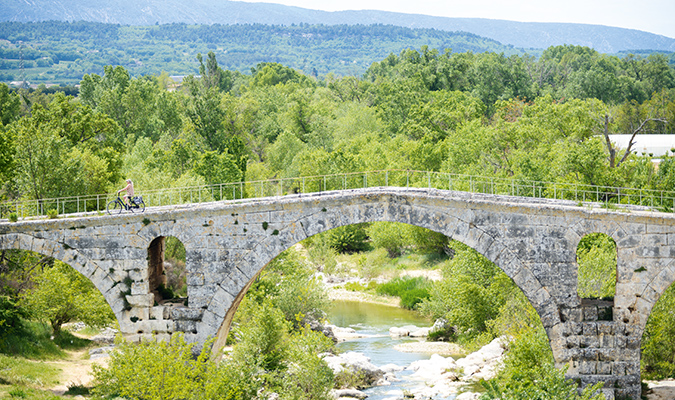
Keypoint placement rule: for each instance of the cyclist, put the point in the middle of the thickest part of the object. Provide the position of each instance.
(130, 193)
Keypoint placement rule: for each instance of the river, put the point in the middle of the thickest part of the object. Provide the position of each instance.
(375, 319)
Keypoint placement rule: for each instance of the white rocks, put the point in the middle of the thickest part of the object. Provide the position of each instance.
(468, 396)
(348, 394)
(356, 362)
(422, 332)
(483, 363)
(344, 334)
(408, 330)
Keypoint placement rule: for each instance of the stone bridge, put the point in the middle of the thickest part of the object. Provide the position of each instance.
(228, 243)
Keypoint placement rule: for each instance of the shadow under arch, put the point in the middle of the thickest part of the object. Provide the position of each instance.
(457, 226)
(101, 279)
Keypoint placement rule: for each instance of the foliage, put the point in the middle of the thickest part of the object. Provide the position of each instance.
(348, 238)
(596, 255)
(288, 282)
(658, 346)
(391, 236)
(412, 291)
(10, 315)
(550, 384)
(61, 295)
(471, 294)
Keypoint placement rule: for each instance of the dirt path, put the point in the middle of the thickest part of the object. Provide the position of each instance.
(75, 370)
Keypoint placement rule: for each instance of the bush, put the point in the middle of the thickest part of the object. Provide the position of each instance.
(10, 316)
(13, 217)
(411, 291)
(349, 238)
(52, 214)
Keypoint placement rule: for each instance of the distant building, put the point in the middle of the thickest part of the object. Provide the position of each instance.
(654, 145)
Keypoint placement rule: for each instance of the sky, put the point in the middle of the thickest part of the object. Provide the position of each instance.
(655, 16)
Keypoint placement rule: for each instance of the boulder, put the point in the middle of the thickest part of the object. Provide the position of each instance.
(348, 394)
(484, 363)
(355, 362)
(468, 396)
(422, 332)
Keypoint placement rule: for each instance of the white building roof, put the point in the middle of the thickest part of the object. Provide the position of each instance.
(657, 145)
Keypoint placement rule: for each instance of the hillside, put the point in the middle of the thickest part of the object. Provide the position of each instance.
(148, 12)
(61, 52)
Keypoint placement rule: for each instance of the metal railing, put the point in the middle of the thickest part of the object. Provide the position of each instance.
(608, 196)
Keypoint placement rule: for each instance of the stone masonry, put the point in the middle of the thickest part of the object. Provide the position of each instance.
(228, 243)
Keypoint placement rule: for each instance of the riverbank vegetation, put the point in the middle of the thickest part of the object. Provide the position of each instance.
(488, 114)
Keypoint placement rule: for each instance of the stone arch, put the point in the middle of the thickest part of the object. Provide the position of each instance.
(101, 279)
(457, 223)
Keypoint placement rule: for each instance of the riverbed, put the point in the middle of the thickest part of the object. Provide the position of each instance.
(375, 320)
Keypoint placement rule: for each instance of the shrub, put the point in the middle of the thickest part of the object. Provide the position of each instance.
(410, 290)
(349, 238)
(13, 217)
(52, 214)
(10, 315)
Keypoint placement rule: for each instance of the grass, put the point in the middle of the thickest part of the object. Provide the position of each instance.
(411, 290)
(14, 392)
(17, 371)
(23, 371)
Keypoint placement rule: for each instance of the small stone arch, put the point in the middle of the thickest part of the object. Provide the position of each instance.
(597, 274)
(158, 281)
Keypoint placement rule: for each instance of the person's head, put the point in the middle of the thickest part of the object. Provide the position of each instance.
(128, 180)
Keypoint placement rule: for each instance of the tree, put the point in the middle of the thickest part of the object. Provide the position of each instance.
(60, 295)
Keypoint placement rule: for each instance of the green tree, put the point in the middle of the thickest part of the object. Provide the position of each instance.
(61, 294)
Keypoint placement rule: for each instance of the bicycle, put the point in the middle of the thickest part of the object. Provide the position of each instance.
(116, 206)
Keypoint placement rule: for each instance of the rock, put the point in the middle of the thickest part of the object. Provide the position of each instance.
(398, 332)
(389, 368)
(356, 362)
(100, 352)
(326, 330)
(107, 336)
(440, 324)
(468, 396)
(403, 330)
(422, 332)
(349, 394)
(484, 363)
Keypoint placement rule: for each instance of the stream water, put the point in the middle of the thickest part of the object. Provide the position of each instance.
(375, 319)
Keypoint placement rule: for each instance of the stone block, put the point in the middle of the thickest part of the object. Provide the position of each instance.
(138, 288)
(618, 368)
(185, 313)
(587, 367)
(186, 326)
(604, 368)
(590, 329)
(195, 279)
(590, 313)
(141, 300)
(607, 340)
(157, 313)
(605, 327)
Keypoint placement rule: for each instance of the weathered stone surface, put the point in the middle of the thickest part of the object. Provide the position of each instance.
(227, 244)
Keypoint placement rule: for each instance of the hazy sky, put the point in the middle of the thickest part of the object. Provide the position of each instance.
(655, 16)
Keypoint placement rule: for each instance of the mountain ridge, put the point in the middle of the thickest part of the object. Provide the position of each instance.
(526, 35)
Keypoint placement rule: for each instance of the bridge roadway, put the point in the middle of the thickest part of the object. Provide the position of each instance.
(228, 243)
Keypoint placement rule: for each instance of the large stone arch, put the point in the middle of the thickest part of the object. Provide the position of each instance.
(73, 257)
(457, 223)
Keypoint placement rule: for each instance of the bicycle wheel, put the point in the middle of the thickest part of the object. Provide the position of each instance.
(138, 207)
(114, 207)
